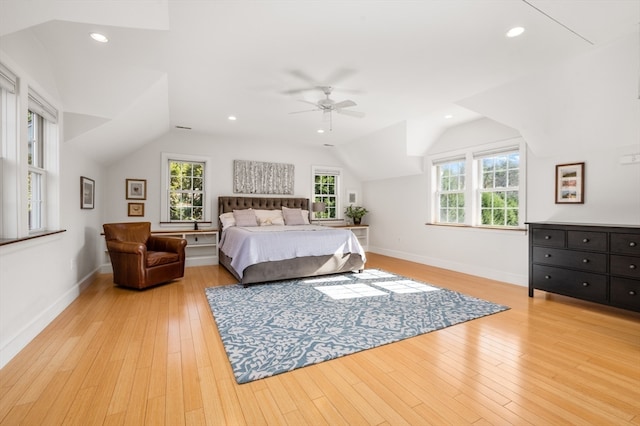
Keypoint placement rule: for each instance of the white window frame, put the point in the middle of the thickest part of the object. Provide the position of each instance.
(328, 170)
(472, 157)
(164, 194)
(9, 208)
(37, 175)
(439, 191)
(18, 97)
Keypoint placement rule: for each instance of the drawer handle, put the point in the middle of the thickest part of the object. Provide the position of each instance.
(547, 255)
(632, 266)
(585, 260)
(547, 277)
(586, 240)
(585, 284)
(632, 293)
(632, 244)
(547, 237)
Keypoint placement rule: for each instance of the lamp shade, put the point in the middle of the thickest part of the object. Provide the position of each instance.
(318, 207)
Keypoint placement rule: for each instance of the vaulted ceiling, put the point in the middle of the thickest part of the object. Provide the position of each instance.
(193, 64)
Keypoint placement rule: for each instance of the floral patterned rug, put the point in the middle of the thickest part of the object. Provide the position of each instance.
(277, 327)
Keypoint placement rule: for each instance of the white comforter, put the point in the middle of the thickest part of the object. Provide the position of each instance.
(247, 246)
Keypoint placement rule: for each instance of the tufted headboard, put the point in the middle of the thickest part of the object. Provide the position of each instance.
(229, 203)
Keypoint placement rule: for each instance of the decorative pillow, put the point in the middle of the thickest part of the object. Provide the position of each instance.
(227, 220)
(293, 216)
(269, 217)
(305, 217)
(245, 217)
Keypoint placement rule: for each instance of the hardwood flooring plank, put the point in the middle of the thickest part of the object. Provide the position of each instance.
(211, 400)
(175, 405)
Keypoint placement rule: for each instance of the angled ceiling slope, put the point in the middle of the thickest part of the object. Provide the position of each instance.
(412, 62)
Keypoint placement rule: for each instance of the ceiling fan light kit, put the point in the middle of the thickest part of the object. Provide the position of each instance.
(328, 106)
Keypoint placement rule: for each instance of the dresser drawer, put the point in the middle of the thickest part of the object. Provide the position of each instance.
(583, 285)
(625, 293)
(201, 239)
(627, 266)
(587, 240)
(548, 237)
(625, 244)
(586, 261)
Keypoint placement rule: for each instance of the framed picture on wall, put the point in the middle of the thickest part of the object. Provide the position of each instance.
(570, 183)
(352, 197)
(87, 193)
(136, 189)
(135, 209)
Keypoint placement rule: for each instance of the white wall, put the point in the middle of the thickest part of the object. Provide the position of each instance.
(40, 277)
(400, 208)
(145, 164)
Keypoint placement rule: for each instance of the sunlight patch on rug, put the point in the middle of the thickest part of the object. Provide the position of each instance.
(277, 327)
(350, 291)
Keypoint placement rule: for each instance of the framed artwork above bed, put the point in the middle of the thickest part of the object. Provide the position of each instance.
(257, 177)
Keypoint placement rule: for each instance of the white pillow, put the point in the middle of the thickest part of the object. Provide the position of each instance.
(227, 220)
(269, 217)
(305, 217)
(293, 216)
(245, 217)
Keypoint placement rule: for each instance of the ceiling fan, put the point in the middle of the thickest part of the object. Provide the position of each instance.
(328, 106)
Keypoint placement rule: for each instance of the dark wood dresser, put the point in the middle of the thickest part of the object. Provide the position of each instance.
(599, 263)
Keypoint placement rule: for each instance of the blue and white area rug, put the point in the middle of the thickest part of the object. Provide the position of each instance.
(272, 328)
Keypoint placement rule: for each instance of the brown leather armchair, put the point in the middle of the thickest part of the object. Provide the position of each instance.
(141, 260)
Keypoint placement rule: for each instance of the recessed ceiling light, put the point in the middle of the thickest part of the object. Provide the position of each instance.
(515, 32)
(320, 131)
(448, 116)
(101, 38)
(232, 118)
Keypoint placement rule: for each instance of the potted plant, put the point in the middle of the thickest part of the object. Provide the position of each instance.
(355, 213)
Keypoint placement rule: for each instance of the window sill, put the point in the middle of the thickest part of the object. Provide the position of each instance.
(40, 234)
(485, 228)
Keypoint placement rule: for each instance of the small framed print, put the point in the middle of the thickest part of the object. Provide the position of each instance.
(136, 209)
(570, 183)
(136, 189)
(352, 197)
(87, 193)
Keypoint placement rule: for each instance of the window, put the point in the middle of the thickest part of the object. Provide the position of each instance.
(186, 191)
(499, 199)
(8, 153)
(326, 189)
(30, 169)
(480, 187)
(41, 146)
(37, 175)
(451, 191)
(184, 188)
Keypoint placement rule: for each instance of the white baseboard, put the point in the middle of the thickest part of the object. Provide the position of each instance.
(26, 334)
(492, 274)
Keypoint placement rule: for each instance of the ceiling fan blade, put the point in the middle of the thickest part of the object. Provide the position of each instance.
(306, 110)
(309, 102)
(339, 75)
(304, 77)
(357, 114)
(299, 90)
(344, 104)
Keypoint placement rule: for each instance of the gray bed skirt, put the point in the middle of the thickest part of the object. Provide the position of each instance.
(299, 267)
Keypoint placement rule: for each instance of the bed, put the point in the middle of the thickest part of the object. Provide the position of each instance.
(345, 256)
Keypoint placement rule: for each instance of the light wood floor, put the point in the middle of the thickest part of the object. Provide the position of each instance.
(117, 356)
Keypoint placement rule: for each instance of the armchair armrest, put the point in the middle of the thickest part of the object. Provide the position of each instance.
(126, 247)
(171, 245)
